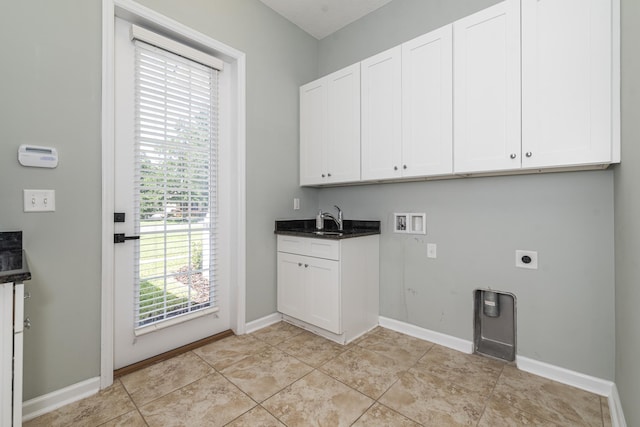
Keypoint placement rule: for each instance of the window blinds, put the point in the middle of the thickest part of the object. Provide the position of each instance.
(176, 122)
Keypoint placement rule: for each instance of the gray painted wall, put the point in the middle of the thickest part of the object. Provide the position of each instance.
(566, 308)
(392, 24)
(51, 95)
(627, 213)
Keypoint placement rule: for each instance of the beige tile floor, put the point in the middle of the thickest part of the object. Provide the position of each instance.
(285, 376)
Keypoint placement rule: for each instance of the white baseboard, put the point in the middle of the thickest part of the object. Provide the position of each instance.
(263, 322)
(50, 402)
(615, 407)
(428, 335)
(565, 376)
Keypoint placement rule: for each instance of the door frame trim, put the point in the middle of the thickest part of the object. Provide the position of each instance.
(134, 12)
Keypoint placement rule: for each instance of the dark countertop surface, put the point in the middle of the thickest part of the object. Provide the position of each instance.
(307, 228)
(14, 267)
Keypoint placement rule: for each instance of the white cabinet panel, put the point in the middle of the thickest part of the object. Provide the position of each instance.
(336, 298)
(330, 128)
(381, 115)
(566, 82)
(6, 352)
(313, 131)
(487, 89)
(343, 133)
(427, 104)
(323, 294)
(291, 285)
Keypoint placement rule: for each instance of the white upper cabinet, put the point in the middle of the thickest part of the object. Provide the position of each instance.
(330, 128)
(522, 86)
(427, 104)
(313, 132)
(567, 83)
(487, 89)
(381, 115)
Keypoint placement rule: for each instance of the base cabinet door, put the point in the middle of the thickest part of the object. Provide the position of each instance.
(291, 285)
(322, 284)
(6, 353)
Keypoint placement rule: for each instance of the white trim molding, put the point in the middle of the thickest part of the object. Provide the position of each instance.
(51, 401)
(565, 376)
(426, 334)
(136, 13)
(263, 322)
(615, 408)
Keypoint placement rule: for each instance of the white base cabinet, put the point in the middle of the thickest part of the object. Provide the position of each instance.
(329, 286)
(11, 353)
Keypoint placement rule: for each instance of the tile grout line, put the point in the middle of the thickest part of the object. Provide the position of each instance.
(133, 402)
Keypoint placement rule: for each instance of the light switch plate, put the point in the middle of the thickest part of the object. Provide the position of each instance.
(39, 200)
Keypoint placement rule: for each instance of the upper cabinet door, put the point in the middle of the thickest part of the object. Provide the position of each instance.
(487, 89)
(427, 104)
(330, 128)
(381, 115)
(343, 125)
(567, 82)
(313, 132)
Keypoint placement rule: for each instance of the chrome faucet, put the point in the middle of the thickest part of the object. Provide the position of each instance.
(338, 221)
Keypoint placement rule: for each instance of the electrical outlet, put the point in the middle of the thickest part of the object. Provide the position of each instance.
(431, 250)
(39, 200)
(296, 204)
(527, 259)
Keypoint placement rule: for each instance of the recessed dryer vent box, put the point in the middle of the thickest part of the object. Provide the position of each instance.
(410, 223)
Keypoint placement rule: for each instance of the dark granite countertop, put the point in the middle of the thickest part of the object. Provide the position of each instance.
(307, 228)
(14, 267)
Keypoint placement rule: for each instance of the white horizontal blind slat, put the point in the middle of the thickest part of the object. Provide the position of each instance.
(176, 120)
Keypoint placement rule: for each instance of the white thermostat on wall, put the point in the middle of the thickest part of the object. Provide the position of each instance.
(38, 157)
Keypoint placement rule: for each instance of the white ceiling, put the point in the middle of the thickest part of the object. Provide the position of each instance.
(323, 17)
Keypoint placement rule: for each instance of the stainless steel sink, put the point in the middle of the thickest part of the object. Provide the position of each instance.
(328, 233)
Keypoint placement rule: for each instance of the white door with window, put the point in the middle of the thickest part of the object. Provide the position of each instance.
(171, 285)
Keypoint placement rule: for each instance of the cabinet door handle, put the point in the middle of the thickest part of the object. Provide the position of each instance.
(329, 175)
(513, 155)
(323, 175)
(404, 166)
(299, 264)
(395, 168)
(529, 154)
(306, 265)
